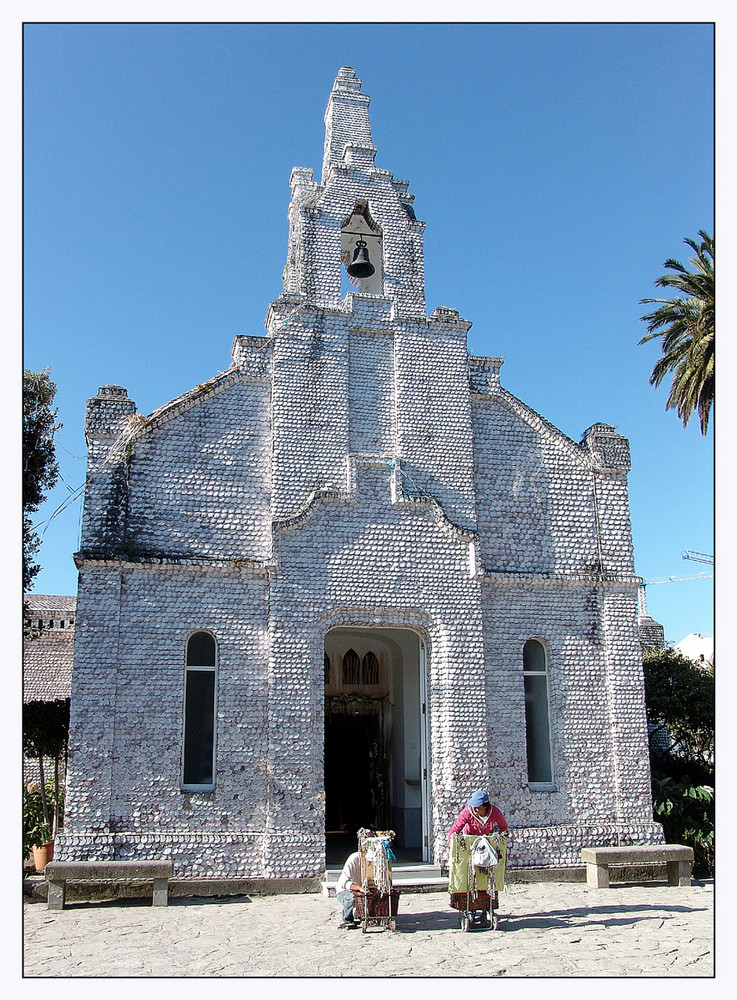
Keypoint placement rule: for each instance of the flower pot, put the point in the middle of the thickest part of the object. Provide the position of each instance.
(42, 855)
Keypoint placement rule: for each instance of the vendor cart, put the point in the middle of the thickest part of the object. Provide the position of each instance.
(378, 903)
(474, 891)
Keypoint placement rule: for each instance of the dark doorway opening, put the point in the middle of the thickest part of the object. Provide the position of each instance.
(351, 790)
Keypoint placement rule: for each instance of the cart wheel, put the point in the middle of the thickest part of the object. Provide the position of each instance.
(484, 919)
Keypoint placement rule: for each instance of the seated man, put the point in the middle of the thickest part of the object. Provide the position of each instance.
(349, 881)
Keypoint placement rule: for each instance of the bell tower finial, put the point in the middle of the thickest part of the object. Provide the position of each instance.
(346, 119)
(357, 227)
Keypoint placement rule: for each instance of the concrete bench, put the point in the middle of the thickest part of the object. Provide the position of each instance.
(678, 861)
(58, 873)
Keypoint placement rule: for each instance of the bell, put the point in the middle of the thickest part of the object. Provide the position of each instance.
(360, 266)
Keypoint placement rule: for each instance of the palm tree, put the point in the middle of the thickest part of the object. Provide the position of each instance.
(687, 328)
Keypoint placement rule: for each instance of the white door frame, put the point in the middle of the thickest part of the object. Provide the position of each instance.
(424, 754)
(424, 708)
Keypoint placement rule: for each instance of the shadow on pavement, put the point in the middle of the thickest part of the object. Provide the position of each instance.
(607, 916)
(204, 900)
(143, 902)
(411, 923)
(573, 919)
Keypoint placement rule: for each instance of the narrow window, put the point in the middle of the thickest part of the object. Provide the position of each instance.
(198, 757)
(535, 672)
(327, 669)
(351, 668)
(370, 671)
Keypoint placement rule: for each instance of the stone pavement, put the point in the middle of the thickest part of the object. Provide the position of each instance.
(546, 929)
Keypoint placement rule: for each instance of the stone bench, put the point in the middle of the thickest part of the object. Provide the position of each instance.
(678, 861)
(58, 873)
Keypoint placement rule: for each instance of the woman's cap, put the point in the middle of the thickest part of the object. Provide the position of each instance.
(479, 798)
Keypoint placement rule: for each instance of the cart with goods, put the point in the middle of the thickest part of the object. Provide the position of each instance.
(476, 877)
(378, 902)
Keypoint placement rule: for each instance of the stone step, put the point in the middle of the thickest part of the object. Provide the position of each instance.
(405, 877)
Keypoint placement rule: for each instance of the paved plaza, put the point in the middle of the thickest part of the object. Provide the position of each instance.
(546, 929)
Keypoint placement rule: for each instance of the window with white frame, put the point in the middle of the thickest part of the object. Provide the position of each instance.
(537, 713)
(198, 752)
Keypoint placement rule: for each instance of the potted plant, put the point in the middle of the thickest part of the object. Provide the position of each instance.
(37, 840)
(45, 732)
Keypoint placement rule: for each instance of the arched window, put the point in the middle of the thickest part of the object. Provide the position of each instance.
(327, 669)
(351, 668)
(198, 753)
(370, 669)
(537, 717)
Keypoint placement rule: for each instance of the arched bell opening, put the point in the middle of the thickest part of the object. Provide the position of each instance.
(361, 251)
(374, 750)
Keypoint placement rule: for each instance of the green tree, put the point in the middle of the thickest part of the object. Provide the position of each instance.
(40, 470)
(686, 326)
(45, 735)
(680, 711)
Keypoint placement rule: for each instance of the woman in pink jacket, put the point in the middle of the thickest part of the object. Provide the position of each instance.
(479, 816)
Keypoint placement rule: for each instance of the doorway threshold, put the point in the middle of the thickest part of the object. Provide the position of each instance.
(407, 876)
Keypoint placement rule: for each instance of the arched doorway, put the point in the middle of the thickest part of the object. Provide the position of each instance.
(375, 744)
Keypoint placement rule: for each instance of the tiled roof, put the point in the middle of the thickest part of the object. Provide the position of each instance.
(51, 602)
(47, 665)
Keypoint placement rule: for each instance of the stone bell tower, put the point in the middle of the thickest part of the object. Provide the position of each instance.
(354, 200)
(368, 373)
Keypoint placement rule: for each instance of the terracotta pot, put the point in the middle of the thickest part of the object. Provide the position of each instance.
(42, 855)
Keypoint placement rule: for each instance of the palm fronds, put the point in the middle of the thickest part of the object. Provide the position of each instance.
(686, 326)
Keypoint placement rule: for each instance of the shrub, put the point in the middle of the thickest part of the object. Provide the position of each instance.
(35, 830)
(680, 706)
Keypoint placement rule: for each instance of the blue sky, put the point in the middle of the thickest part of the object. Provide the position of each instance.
(556, 167)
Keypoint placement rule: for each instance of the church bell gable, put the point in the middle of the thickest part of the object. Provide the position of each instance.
(355, 201)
